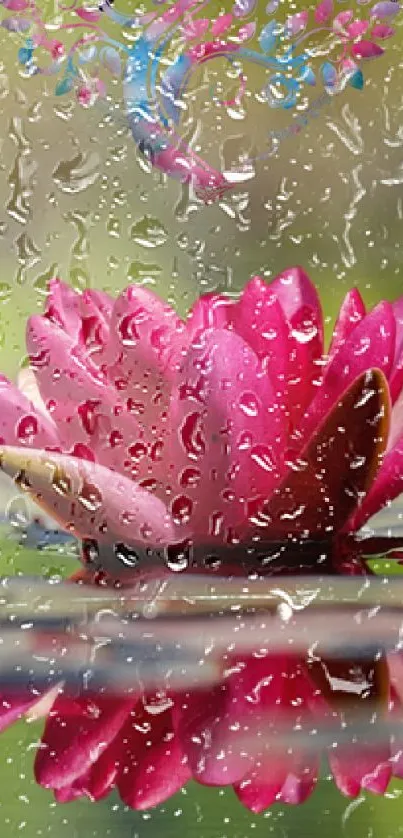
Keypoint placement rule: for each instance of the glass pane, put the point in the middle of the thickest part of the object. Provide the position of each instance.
(192, 191)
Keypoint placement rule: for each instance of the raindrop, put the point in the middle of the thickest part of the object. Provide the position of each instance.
(212, 562)
(181, 509)
(190, 477)
(89, 551)
(27, 428)
(178, 556)
(191, 436)
(125, 554)
(61, 483)
(149, 232)
(90, 497)
(78, 174)
(249, 404)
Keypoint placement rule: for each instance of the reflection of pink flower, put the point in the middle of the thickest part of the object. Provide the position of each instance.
(230, 428)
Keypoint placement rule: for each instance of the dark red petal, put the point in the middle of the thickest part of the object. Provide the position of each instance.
(371, 345)
(366, 49)
(335, 470)
(152, 764)
(70, 745)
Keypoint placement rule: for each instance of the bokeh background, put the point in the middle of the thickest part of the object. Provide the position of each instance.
(80, 202)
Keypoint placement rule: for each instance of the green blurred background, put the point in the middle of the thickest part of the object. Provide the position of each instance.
(80, 202)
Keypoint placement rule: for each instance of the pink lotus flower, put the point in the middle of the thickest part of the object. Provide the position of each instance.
(152, 438)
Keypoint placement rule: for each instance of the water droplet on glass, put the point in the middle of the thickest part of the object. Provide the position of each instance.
(178, 556)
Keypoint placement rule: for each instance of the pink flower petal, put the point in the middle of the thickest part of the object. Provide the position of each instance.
(371, 345)
(90, 500)
(72, 744)
(100, 777)
(342, 18)
(21, 423)
(219, 730)
(296, 23)
(63, 307)
(210, 736)
(382, 31)
(300, 784)
(227, 429)
(357, 28)
(14, 705)
(152, 765)
(287, 777)
(246, 32)
(210, 311)
(89, 15)
(258, 318)
(396, 374)
(324, 11)
(193, 29)
(94, 329)
(145, 345)
(89, 414)
(362, 767)
(351, 313)
(221, 24)
(300, 303)
(366, 49)
(262, 785)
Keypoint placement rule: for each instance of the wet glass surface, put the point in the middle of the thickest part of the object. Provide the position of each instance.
(86, 198)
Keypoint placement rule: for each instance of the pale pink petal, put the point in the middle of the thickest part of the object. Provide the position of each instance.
(90, 500)
(71, 745)
(63, 307)
(342, 18)
(23, 424)
(14, 705)
(296, 23)
(145, 333)
(142, 357)
(352, 311)
(227, 438)
(246, 32)
(371, 345)
(91, 419)
(27, 384)
(64, 373)
(210, 311)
